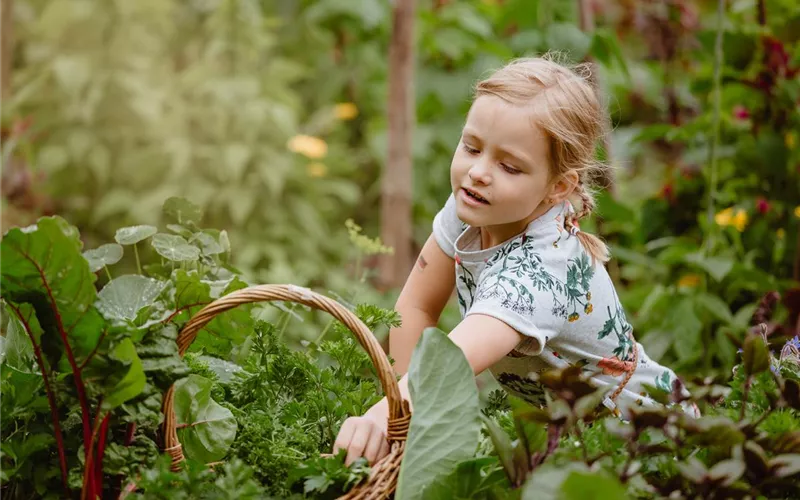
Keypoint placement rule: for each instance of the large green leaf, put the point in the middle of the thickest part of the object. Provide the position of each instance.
(132, 382)
(684, 327)
(122, 298)
(175, 248)
(134, 234)
(445, 425)
(105, 255)
(206, 429)
(42, 266)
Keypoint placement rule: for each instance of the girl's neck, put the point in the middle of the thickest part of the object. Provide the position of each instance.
(494, 235)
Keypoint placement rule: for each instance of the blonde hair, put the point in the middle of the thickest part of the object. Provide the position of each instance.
(573, 119)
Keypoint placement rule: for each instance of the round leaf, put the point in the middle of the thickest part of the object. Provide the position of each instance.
(134, 234)
(105, 255)
(122, 298)
(205, 429)
(182, 211)
(175, 248)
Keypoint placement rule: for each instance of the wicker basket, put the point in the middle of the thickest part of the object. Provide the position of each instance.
(383, 479)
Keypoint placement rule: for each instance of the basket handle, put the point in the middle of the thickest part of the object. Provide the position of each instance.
(399, 411)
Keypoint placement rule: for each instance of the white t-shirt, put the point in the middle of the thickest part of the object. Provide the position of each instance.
(543, 284)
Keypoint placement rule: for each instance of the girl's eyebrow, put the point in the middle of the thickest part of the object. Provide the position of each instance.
(518, 156)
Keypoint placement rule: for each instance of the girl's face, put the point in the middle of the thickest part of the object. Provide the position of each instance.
(502, 157)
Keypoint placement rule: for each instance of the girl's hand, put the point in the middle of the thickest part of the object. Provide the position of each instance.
(362, 437)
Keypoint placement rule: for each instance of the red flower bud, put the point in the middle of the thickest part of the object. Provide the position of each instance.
(740, 112)
(762, 205)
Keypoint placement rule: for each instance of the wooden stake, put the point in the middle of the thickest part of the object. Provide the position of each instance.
(396, 225)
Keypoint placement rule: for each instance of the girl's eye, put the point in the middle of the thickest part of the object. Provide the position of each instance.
(470, 150)
(509, 169)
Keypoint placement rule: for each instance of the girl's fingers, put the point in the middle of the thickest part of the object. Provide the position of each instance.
(384, 449)
(376, 439)
(345, 436)
(358, 443)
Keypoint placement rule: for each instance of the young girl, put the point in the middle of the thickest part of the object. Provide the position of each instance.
(532, 289)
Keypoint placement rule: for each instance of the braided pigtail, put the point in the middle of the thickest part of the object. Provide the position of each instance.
(596, 248)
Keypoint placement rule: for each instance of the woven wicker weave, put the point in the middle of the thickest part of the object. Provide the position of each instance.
(383, 479)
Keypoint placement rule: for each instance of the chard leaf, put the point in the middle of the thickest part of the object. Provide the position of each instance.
(122, 298)
(205, 429)
(132, 382)
(42, 266)
(445, 425)
(175, 248)
(134, 234)
(105, 255)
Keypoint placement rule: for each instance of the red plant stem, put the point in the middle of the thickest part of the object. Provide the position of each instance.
(101, 449)
(51, 398)
(89, 491)
(184, 308)
(129, 433)
(76, 372)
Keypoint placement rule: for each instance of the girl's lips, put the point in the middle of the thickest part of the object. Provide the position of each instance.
(469, 200)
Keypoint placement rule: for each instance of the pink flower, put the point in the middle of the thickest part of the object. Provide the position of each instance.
(762, 205)
(740, 112)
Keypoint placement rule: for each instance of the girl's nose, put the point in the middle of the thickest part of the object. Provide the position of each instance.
(479, 172)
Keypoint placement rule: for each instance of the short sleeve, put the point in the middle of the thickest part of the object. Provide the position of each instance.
(517, 288)
(447, 227)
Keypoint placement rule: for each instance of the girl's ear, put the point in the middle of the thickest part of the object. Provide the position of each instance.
(564, 186)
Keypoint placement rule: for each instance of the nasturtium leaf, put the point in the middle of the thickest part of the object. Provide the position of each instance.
(182, 211)
(132, 382)
(205, 429)
(224, 370)
(42, 266)
(105, 255)
(445, 424)
(175, 248)
(134, 234)
(180, 230)
(122, 298)
(208, 244)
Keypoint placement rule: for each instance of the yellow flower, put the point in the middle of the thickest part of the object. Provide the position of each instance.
(740, 220)
(780, 233)
(346, 111)
(317, 169)
(797, 211)
(689, 280)
(728, 217)
(724, 218)
(306, 145)
(589, 308)
(790, 139)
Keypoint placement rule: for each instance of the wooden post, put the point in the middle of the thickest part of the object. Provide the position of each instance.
(396, 226)
(6, 47)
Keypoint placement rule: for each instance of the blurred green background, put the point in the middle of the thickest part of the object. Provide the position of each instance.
(272, 116)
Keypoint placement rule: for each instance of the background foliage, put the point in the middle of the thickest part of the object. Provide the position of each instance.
(271, 116)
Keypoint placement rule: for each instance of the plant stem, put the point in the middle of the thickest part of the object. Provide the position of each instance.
(747, 383)
(51, 399)
(136, 253)
(715, 126)
(107, 272)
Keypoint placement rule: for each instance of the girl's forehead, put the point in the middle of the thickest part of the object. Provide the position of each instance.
(493, 119)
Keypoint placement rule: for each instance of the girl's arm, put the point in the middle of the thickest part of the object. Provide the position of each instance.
(484, 340)
(425, 294)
